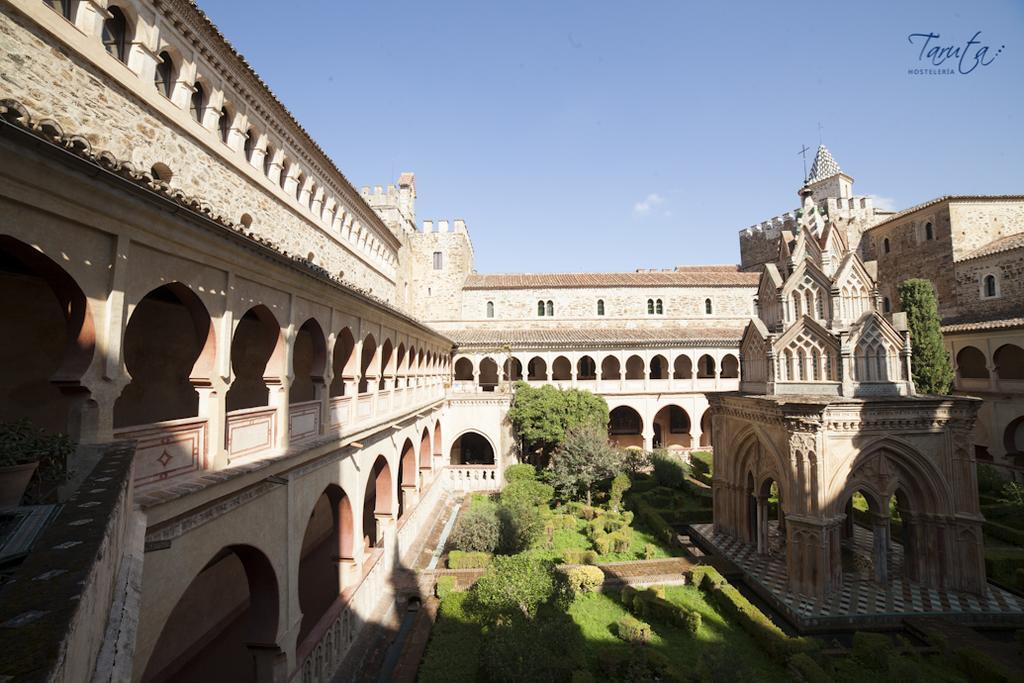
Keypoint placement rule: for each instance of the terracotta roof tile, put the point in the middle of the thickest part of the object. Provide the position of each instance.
(689, 277)
(594, 337)
(979, 324)
(997, 246)
(950, 197)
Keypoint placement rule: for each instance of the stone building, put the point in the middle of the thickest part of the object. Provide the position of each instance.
(827, 410)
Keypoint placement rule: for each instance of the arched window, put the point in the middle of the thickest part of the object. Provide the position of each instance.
(224, 124)
(600, 306)
(650, 307)
(708, 307)
(163, 77)
(658, 308)
(540, 308)
(300, 180)
(885, 245)
(115, 34)
(249, 144)
(929, 233)
(268, 159)
(551, 309)
(490, 309)
(62, 6)
(198, 102)
(990, 286)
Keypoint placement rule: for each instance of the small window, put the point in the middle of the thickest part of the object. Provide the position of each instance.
(658, 308)
(438, 260)
(224, 124)
(650, 307)
(929, 232)
(551, 309)
(886, 305)
(540, 309)
(490, 309)
(885, 245)
(990, 286)
(600, 306)
(708, 308)
(249, 145)
(163, 77)
(198, 102)
(115, 34)
(62, 6)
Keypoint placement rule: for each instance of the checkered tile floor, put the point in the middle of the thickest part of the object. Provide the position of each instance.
(859, 596)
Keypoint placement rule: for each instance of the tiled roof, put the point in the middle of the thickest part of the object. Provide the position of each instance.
(824, 166)
(581, 337)
(949, 197)
(689, 277)
(997, 246)
(981, 324)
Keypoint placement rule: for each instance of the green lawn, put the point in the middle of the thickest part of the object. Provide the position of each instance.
(576, 539)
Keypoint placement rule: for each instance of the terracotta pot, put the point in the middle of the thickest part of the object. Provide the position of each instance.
(13, 482)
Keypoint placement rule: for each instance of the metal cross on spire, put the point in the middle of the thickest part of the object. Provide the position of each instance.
(803, 152)
(820, 128)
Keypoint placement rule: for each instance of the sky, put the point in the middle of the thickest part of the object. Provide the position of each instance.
(611, 136)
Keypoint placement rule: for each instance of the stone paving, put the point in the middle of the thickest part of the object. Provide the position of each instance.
(859, 600)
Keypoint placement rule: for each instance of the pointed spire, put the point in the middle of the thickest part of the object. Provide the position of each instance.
(824, 166)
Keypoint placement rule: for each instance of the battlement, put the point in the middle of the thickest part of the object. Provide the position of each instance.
(457, 225)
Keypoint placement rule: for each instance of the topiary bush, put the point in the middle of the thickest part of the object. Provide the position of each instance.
(516, 585)
(520, 472)
(582, 579)
(527, 492)
(478, 530)
(872, 650)
(807, 670)
(620, 484)
(632, 630)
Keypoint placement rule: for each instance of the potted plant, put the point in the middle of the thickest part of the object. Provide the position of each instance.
(24, 448)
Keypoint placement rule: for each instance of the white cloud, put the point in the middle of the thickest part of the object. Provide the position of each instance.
(642, 208)
(883, 203)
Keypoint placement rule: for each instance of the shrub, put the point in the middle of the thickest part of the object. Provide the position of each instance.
(650, 551)
(21, 442)
(521, 525)
(620, 484)
(478, 530)
(1004, 532)
(655, 522)
(603, 545)
(635, 460)
(444, 586)
(668, 469)
(807, 670)
(454, 655)
(572, 556)
(589, 557)
(980, 668)
(527, 492)
(651, 604)
(458, 559)
(516, 584)
(990, 480)
(518, 649)
(904, 669)
(622, 541)
(582, 579)
(632, 630)
(627, 517)
(872, 650)
(583, 676)
(520, 472)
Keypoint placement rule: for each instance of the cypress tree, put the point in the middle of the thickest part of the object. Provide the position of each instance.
(933, 373)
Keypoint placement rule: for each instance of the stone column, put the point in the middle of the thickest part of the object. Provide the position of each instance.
(213, 406)
(648, 434)
(762, 525)
(880, 547)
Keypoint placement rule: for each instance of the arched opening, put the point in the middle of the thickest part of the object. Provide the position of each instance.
(309, 354)
(537, 370)
(671, 428)
(731, 367)
(115, 33)
(561, 369)
(865, 538)
(682, 368)
(751, 516)
(770, 519)
(377, 503)
(512, 370)
(387, 364)
(1009, 361)
(401, 367)
(625, 427)
(328, 540)
(610, 368)
(163, 77)
(438, 448)
(236, 594)
(425, 451)
(168, 345)
(464, 370)
(1013, 436)
(414, 367)
(634, 367)
(586, 369)
(48, 338)
(706, 429)
(659, 367)
(257, 356)
(197, 103)
(407, 481)
(343, 362)
(970, 363)
(367, 366)
(472, 448)
(488, 374)
(706, 367)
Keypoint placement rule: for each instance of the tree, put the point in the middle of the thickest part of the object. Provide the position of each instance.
(478, 530)
(933, 373)
(540, 416)
(583, 459)
(515, 584)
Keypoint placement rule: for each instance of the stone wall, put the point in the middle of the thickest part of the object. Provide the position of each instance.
(1008, 269)
(88, 92)
(437, 294)
(981, 221)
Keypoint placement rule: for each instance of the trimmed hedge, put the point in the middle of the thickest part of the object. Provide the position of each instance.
(632, 630)
(1004, 532)
(807, 670)
(575, 556)
(980, 668)
(444, 586)
(650, 518)
(651, 604)
(459, 559)
(519, 472)
(769, 637)
(582, 579)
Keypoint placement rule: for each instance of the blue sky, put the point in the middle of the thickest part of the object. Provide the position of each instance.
(604, 136)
